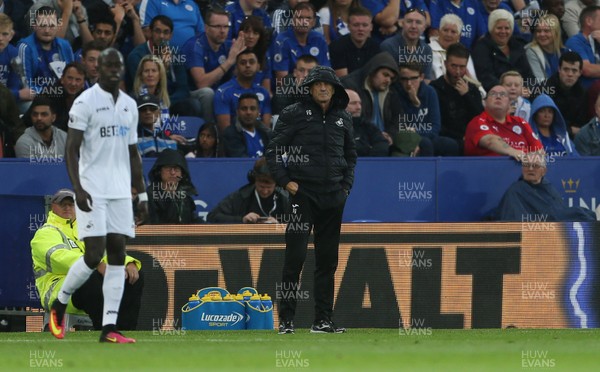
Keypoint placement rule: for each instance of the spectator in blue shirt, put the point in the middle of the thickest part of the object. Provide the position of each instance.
(43, 54)
(8, 76)
(209, 57)
(226, 97)
(467, 10)
(548, 124)
(301, 39)
(256, 38)
(248, 137)
(185, 15)
(385, 17)
(242, 9)
(585, 44)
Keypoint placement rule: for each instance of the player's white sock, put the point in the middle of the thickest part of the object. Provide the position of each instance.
(112, 288)
(77, 275)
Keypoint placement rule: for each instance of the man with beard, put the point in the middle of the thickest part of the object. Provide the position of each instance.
(226, 96)
(372, 82)
(43, 141)
(460, 101)
(248, 137)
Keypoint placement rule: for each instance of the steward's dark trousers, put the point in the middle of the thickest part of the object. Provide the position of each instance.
(323, 212)
(90, 299)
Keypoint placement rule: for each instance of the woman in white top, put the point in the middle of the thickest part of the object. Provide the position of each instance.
(334, 18)
(449, 33)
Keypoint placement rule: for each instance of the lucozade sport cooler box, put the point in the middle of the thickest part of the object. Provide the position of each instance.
(217, 309)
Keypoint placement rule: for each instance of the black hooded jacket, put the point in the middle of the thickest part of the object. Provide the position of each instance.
(391, 110)
(316, 149)
(171, 207)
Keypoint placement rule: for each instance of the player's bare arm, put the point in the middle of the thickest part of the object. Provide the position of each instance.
(74, 140)
(137, 181)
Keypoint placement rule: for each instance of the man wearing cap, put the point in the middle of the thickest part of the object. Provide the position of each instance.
(55, 248)
(312, 154)
(260, 201)
(151, 139)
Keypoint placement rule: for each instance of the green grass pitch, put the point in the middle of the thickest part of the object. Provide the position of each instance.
(357, 350)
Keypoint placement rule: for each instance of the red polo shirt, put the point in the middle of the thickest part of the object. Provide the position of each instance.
(515, 131)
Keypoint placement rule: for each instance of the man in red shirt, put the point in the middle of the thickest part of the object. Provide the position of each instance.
(494, 132)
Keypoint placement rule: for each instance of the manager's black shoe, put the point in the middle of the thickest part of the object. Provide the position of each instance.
(286, 327)
(326, 326)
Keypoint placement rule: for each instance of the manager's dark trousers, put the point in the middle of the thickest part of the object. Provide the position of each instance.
(90, 299)
(323, 213)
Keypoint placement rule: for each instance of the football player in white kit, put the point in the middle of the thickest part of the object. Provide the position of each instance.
(103, 164)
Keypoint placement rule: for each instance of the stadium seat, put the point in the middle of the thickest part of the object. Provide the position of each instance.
(186, 126)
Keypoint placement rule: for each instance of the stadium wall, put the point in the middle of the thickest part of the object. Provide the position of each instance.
(448, 275)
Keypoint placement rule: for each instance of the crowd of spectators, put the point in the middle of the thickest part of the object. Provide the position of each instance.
(197, 58)
(420, 72)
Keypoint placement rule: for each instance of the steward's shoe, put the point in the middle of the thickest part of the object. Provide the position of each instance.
(57, 319)
(326, 326)
(286, 327)
(115, 337)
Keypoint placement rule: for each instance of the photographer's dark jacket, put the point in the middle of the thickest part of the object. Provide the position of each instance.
(239, 203)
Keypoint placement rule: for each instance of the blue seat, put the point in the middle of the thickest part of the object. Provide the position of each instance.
(186, 126)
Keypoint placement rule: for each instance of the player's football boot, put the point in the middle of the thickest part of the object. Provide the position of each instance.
(57, 319)
(115, 337)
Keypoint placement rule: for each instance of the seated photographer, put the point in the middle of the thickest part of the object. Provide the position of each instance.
(260, 201)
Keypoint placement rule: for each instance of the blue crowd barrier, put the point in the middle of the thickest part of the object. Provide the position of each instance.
(387, 190)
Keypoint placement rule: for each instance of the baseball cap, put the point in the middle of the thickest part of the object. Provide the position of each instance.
(147, 100)
(62, 194)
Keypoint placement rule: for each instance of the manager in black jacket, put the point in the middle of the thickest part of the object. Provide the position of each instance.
(312, 154)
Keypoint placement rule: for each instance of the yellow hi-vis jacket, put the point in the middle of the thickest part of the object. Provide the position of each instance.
(54, 249)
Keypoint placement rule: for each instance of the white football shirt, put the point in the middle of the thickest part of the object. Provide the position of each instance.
(109, 128)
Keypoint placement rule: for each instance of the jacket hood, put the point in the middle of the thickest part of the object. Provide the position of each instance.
(558, 126)
(322, 73)
(383, 59)
(172, 157)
